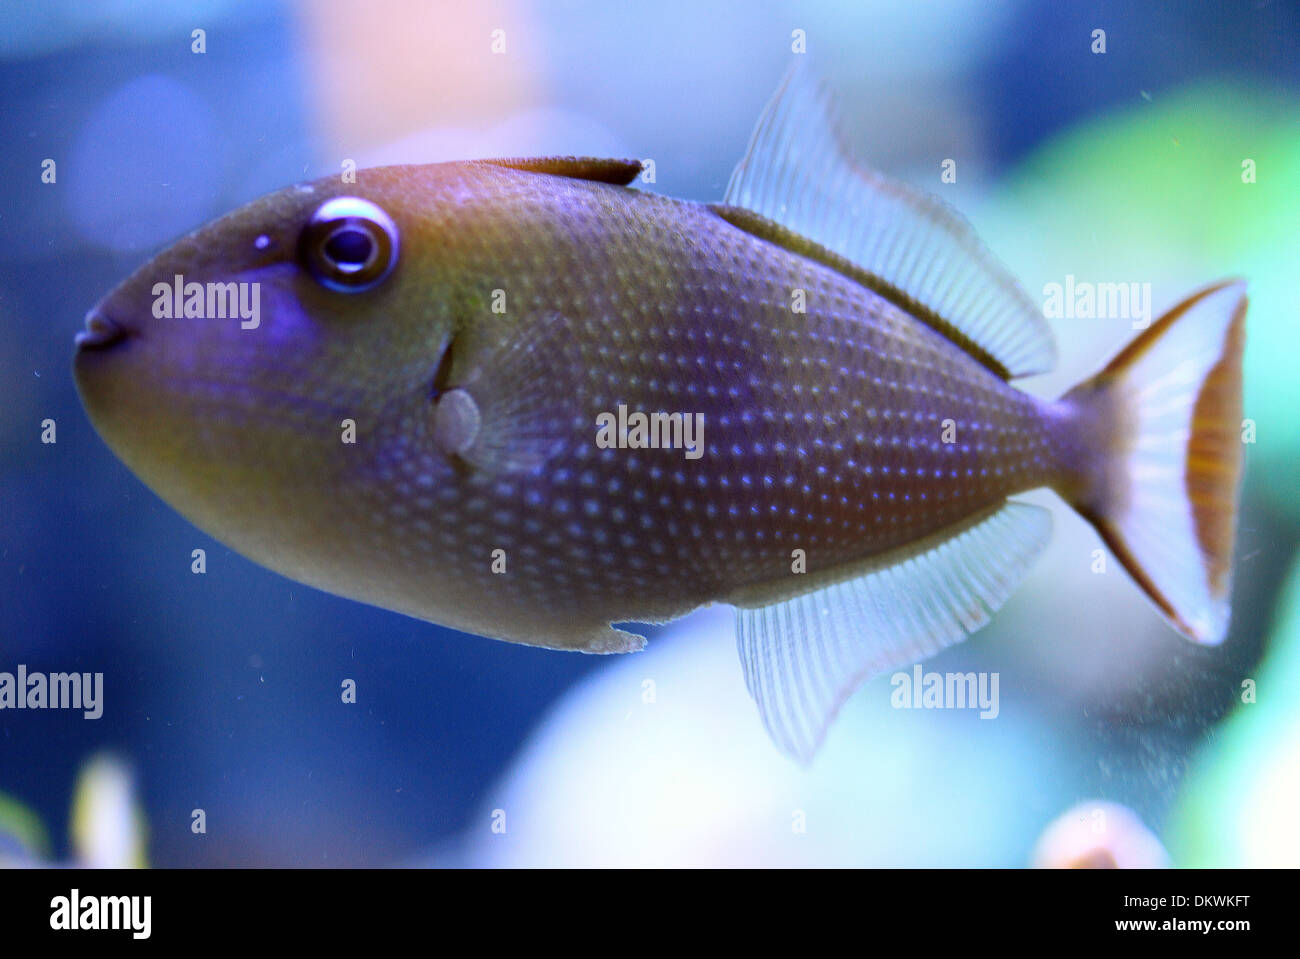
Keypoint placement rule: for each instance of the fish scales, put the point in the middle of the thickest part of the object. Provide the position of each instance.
(824, 429)
(420, 390)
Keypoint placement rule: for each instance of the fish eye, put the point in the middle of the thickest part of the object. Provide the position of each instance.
(349, 244)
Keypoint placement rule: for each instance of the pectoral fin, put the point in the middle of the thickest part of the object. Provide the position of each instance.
(508, 400)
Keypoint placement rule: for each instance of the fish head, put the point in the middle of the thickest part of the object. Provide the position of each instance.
(263, 372)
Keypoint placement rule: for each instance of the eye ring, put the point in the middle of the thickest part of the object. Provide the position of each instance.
(349, 244)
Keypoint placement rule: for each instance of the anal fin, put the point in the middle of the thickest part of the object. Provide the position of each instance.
(804, 655)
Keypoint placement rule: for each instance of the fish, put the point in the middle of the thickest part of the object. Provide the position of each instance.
(525, 399)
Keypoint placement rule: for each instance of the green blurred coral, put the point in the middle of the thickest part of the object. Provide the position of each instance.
(1155, 193)
(107, 829)
(23, 840)
(1238, 804)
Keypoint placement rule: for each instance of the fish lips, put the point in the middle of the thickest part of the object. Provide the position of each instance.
(101, 333)
(103, 378)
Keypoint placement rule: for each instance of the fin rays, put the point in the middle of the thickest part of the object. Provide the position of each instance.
(804, 656)
(1163, 488)
(917, 251)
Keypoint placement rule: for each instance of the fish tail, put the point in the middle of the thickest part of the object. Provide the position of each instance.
(1154, 457)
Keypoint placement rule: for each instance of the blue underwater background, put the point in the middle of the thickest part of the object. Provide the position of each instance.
(222, 690)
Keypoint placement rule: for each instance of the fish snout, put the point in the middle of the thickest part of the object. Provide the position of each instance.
(100, 333)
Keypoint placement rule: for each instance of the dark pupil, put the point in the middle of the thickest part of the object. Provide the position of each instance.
(349, 248)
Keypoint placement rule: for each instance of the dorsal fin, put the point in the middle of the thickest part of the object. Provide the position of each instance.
(617, 172)
(906, 245)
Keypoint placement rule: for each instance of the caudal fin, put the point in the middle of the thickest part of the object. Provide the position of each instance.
(1161, 457)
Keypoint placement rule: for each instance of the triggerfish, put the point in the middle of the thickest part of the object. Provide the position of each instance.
(524, 399)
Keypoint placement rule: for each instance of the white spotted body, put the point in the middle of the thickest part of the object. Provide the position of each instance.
(844, 344)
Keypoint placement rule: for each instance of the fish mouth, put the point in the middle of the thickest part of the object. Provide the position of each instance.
(101, 332)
